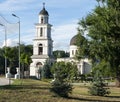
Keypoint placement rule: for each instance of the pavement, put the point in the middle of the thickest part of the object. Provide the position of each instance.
(5, 81)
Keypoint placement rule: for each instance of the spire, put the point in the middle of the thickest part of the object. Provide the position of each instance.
(43, 5)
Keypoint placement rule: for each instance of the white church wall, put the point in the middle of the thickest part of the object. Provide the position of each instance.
(73, 50)
(84, 66)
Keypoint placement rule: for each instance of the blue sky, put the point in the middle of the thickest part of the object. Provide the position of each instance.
(63, 15)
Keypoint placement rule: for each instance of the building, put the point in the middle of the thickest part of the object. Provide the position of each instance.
(42, 44)
(83, 65)
(43, 48)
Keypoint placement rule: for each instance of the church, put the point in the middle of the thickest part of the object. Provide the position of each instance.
(43, 48)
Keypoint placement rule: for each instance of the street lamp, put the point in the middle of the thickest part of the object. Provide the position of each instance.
(5, 46)
(19, 36)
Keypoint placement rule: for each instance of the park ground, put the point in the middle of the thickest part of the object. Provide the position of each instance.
(30, 90)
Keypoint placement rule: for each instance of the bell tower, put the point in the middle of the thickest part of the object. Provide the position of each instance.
(42, 43)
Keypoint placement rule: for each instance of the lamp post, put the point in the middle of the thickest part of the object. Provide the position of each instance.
(5, 46)
(19, 37)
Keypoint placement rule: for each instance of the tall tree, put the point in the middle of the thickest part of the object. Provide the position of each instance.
(2, 61)
(12, 59)
(60, 54)
(103, 38)
(46, 72)
(99, 86)
(67, 70)
(63, 73)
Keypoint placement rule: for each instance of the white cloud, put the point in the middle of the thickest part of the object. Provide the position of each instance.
(28, 36)
(60, 11)
(62, 35)
(10, 42)
(15, 5)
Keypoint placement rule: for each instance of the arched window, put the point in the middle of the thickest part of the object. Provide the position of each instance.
(72, 52)
(40, 49)
(39, 64)
(41, 31)
(41, 19)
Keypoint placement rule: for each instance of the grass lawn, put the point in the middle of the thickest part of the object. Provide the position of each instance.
(29, 90)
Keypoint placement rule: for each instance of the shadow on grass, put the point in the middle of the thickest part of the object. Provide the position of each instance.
(16, 87)
(91, 100)
(113, 96)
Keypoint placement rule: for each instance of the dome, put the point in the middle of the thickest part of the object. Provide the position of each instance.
(73, 40)
(43, 12)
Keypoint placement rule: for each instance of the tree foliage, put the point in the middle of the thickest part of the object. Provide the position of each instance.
(2, 61)
(63, 73)
(103, 34)
(11, 54)
(66, 70)
(98, 87)
(46, 72)
(60, 54)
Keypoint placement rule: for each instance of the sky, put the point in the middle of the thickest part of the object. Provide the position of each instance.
(64, 15)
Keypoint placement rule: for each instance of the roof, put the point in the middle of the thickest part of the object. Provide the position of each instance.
(43, 12)
(73, 40)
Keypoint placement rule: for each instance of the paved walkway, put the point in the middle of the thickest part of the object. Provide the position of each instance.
(5, 81)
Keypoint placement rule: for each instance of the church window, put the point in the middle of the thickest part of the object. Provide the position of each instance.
(42, 20)
(41, 31)
(72, 52)
(40, 49)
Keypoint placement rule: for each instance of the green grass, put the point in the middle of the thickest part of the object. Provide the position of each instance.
(28, 90)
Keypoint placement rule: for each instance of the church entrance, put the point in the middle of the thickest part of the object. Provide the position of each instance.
(39, 70)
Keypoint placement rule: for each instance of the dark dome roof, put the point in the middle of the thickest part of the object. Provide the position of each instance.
(43, 12)
(73, 40)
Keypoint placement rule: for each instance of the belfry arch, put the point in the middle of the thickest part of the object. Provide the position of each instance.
(40, 49)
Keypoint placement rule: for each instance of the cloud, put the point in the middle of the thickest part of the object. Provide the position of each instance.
(28, 37)
(10, 42)
(15, 5)
(62, 35)
(62, 13)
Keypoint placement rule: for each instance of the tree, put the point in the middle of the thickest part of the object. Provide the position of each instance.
(99, 87)
(60, 54)
(104, 67)
(61, 85)
(46, 72)
(103, 38)
(67, 70)
(25, 61)
(2, 62)
(12, 59)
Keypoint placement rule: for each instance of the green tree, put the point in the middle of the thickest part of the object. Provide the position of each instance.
(12, 59)
(46, 72)
(67, 70)
(60, 54)
(2, 61)
(98, 87)
(25, 61)
(61, 85)
(104, 67)
(103, 34)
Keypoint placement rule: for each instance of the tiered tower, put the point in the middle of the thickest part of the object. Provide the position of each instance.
(42, 43)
